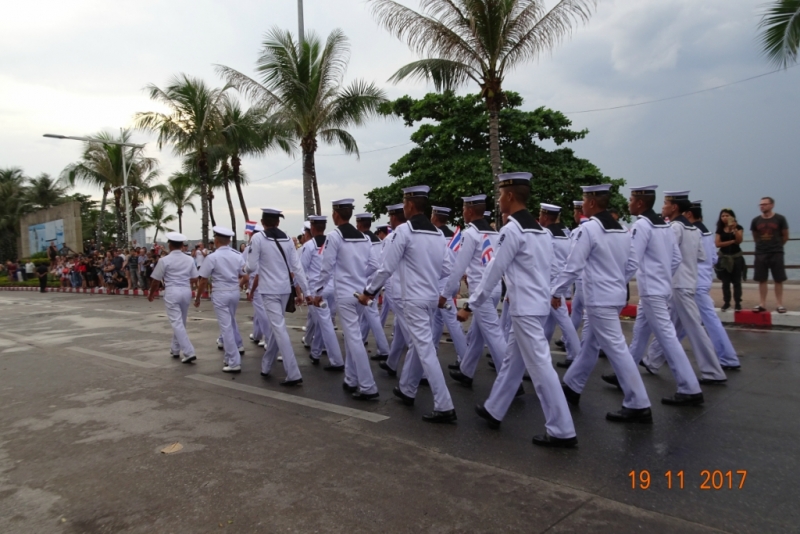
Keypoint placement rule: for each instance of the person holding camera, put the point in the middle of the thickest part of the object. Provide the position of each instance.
(730, 267)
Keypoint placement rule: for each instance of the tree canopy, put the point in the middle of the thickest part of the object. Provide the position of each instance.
(451, 155)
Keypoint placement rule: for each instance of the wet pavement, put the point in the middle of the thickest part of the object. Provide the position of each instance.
(90, 398)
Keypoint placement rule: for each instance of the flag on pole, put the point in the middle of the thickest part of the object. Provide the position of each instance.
(455, 241)
(249, 227)
(487, 252)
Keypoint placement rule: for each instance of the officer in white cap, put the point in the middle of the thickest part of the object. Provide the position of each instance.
(549, 218)
(371, 318)
(391, 295)
(275, 259)
(178, 272)
(345, 259)
(524, 255)
(478, 246)
(304, 260)
(654, 258)
(683, 310)
(323, 338)
(417, 254)
(601, 249)
(226, 266)
(260, 322)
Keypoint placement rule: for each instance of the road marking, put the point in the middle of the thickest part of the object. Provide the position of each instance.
(121, 359)
(309, 403)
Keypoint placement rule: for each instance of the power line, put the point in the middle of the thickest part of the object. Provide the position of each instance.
(681, 95)
(274, 173)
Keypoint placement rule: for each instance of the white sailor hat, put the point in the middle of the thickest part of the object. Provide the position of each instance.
(697, 203)
(224, 232)
(552, 208)
(271, 212)
(364, 216)
(487, 214)
(474, 199)
(307, 226)
(416, 191)
(596, 190)
(514, 178)
(176, 237)
(438, 210)
(647, 190)
(343, 203)
(317, 218)
(577, 203)
(394, 207)
(676, 195)
(382, 228)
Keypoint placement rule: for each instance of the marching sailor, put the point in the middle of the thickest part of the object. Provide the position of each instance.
(416, 253)
(577, 295)
(307, 249)
(391, 295)
(178, 272)
(439, 218)
(226, 266)
(260, 322)
(371, 318)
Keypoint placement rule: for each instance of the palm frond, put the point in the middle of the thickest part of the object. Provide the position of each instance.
(342, 138)
(445, 74)
(780, 38)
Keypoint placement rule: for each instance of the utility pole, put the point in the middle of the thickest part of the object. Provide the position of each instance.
(300, 31)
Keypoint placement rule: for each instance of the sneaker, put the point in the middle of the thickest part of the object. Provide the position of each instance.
(725, 307)
(232, 369)
(220, 346)
(188, 359)
(262, 343)
(738, 307)
(280, 358)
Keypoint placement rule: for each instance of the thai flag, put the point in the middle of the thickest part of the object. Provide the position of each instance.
(455, 241)
(487, 252)
(249, 227)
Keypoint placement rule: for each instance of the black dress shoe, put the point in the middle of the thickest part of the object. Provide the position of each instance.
(631, 415)
(482, 413)
(738, 307)
(175, 355)
(491, 364)
(527, 378)
(385, 367)
(447, 416)
(520, 391)
(265, 375)
(365, 396)
(683, 399)
(314, 361)
(647, 367)
(454, 366)
(461, 377)
(611, 379)
(712, 381)
(408, 401)
(725, 307)
(334, 368)
(546, 440)
(572, 397)
(348, 388)
(424, 382)
(379, 357)
(560, 344)
(731, 367)
(565, 364)
(601, 354)
(289, 383)
(489, 355)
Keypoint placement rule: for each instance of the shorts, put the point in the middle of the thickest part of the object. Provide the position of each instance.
(765, 263)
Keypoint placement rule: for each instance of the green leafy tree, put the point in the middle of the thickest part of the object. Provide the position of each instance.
(451, 156)
(14, 203)
(155, 216)
(479, 41)
(179, 191)
(303, 83)
(45, 192)
(780, 37)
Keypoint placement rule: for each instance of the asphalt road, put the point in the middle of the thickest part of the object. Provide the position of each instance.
(90, 397)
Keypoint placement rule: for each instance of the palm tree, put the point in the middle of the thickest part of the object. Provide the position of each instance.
(45, 192)
(101, 166)
(13, 205)
(478, 40)
(179, 191)
(192, 125)
(155, 216)
(781, 36)
(303, 81)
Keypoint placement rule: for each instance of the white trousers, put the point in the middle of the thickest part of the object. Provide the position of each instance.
(652, 317)
(603, 331)
(176, 300)
(528, 348)
(561, 318)
(387, 305)
(278, 339)
(311, 327)
(357, 371)
(577, 306)
(442, 316)
(399, 341)
(324, 336)
(371, 320)
(421, 357)
(686, 317)
(485, 329)
(225, 305)
(260, 321)
(505, 320)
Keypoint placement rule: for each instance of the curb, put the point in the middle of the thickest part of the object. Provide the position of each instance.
(93, 291)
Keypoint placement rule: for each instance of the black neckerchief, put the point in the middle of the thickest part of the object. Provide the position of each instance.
(702, 227)
(654, 218)
(526, 220)
(557, 229)
(421, 223)
(446, 231)
(683, 220)
(607, 220)
(482, 226)
(372, 237)
(350, 233)
(319, 240)
(275, 233)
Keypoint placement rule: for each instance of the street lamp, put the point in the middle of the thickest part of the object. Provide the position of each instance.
(125, 169)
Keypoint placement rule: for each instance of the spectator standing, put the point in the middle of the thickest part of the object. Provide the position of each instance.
(41, 272)
(30, 270)
(12, 271)
(141, 260)
(770, 233)
(133, 268)
(52, 254)
(730, 267)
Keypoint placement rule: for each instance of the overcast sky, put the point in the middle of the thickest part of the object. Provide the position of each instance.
(80, 67)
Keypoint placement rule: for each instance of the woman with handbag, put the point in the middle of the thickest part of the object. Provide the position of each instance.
(730, 267)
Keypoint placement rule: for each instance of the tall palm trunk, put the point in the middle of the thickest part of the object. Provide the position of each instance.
(180, 219)
(211, 207)
(316, 193)
(309, 145)
(493, 105)
(236, 164)
(233, 215)
(118, 209)
(102, 217)
(202, 164)
(155, 237)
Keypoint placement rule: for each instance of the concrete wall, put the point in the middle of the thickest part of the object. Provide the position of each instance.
(69, 212)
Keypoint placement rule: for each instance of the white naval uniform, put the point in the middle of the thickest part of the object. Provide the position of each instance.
(601, 249)
(176, 270)
(562, 244)
(371, 317)
(524, 254)
(416, 258)
(322, 333)
(345, 260)
(654, 259)
(449, 317)
(684, 312)
(225, 265)
(705, 305)
(274, 286)
(260, 321)
(485, 326)
(391, 295)
(577, 295)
